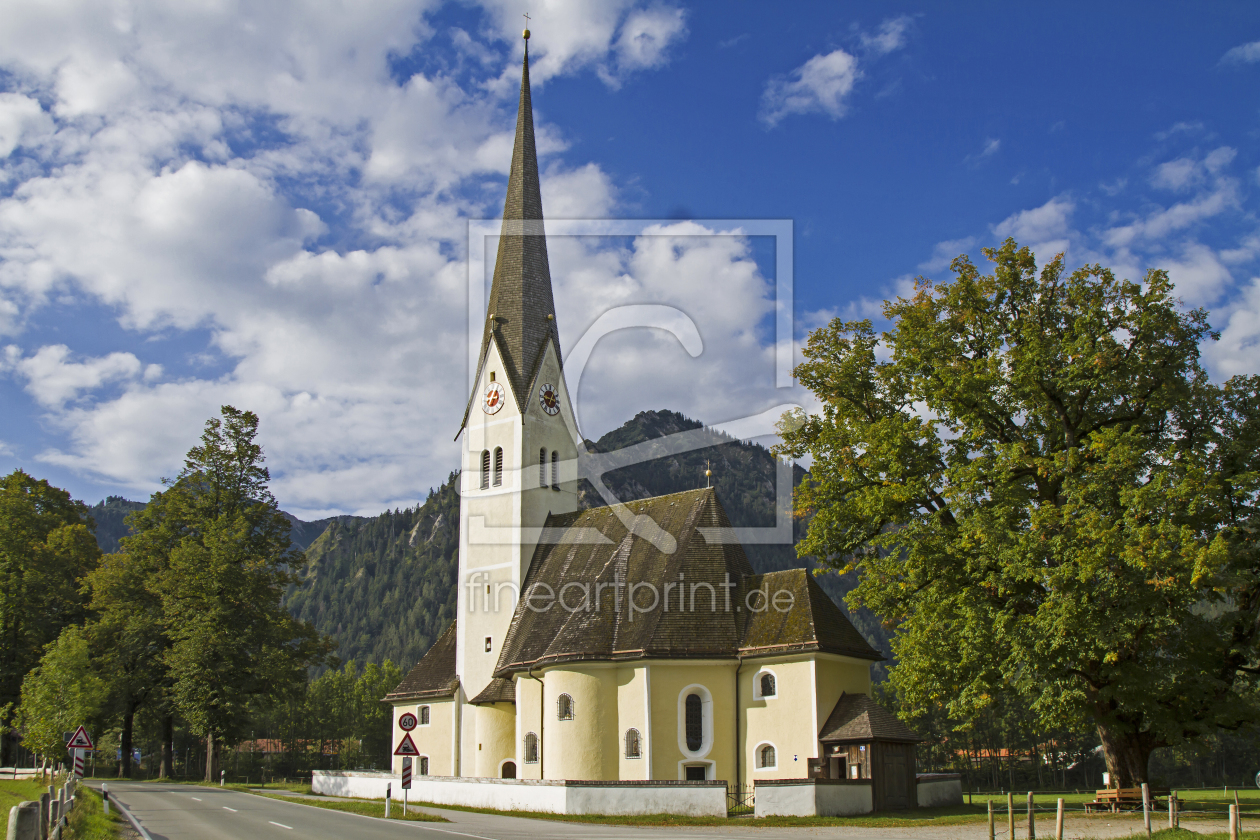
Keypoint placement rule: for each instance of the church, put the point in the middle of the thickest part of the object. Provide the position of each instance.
(621, 643)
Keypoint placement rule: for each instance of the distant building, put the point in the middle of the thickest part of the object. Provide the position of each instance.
(619, 643)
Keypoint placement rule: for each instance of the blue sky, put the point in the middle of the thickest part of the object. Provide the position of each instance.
(268, 205)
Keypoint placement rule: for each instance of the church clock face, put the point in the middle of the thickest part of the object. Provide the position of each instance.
(493, 400)
(549, 399)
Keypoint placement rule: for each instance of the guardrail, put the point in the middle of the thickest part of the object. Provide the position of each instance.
(45, 819)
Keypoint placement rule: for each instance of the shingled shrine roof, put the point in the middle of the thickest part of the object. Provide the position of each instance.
(857, 717)
(521, 311)
(433, 676)
(595, 550)
(498, 690)
(814, 623)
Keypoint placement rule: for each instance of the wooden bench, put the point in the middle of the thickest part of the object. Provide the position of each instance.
(1120, 799)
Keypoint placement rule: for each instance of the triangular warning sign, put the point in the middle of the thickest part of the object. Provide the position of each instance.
(79, 740)
(406, 746)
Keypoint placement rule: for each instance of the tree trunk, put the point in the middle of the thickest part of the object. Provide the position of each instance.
(167, 768)
(1128, 754)
(212, 759)
(124, 767)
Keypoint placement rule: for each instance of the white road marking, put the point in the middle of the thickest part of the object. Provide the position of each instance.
(226, 808)
(195, 799)
(282, 825)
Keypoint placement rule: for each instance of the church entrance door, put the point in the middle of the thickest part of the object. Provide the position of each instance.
(509, 770)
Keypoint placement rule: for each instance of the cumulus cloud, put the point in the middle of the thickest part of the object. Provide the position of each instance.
(945, 252)
(1243, 54)
(890, 36)
(824, 83)
(1045, 229)
(821, 84)
(53, 378)
(251, 178)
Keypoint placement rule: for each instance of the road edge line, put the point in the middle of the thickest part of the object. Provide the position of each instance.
(135, 823)
(420, 824)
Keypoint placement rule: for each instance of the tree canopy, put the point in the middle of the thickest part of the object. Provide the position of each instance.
(1045, 493)
(46, 546)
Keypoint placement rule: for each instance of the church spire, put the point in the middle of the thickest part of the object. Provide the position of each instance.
(521, 311)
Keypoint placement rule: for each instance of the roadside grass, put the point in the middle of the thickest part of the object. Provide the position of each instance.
(21, 790)
(363, 807)
(87, 819)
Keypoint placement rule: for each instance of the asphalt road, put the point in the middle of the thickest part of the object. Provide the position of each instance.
(186, 812)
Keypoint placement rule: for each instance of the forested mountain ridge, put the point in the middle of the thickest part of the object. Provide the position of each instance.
(384, 587)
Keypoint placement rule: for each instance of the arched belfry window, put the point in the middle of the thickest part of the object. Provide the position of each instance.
(542, 467)
(634, 748)
(555, 470)
(564, 707)
(498, 466)
(767, 685)
(485, 469)
(695, 722)
(531, 748)
(765, 756)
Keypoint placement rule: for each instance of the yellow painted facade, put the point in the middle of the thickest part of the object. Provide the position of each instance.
(434, 741)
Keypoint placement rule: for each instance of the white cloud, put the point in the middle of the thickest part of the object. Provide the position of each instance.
(821, 84)
(890, 36)
(991, 147)
(53, 379)
(145, 207)
(1236, 352)
(1198, 273)
(1040, 225)
(21, 120)
(1243, 54)
(945, 252)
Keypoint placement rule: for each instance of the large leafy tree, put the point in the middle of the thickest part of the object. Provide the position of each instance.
(60, 694)
(46, 547)
(1045, 494)
(226, 560)
(128, 637)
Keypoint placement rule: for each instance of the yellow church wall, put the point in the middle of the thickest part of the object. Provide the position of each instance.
(496, 737)
(632, 689)
(585, 746)
(785, 721)
(433, 740)
(668, 746)
(836, 675)
(528, 711)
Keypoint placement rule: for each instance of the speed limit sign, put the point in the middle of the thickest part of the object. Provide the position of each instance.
(407, 722)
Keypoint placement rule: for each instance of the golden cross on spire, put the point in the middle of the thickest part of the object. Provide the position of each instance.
(526, 32)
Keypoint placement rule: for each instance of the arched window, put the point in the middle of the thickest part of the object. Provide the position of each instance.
(555, 470)
(564, 707)
(485, 469)
(765, 756)
(767, 685)
(509, 770)
(531, 748)
(695, 722)
(424, 765)
(633, 748)
(498, 466)
(424, 715)
(542, 467)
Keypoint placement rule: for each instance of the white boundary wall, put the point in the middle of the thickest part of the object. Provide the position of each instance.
(812, 798)
(936, 790)
(699, 799)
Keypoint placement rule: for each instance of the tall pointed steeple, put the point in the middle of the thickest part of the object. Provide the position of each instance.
(521, 311)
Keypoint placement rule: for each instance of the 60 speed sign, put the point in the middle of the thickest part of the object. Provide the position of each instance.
(407, 722)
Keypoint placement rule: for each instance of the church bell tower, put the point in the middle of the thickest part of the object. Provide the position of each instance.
(518, 435)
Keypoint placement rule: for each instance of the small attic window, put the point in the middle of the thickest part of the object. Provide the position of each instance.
(491, 376)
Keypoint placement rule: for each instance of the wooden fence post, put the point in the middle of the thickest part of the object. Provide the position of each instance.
(1058, 821)
(1010, 815)
(1233, 822)
(1146, 807)
(1032, 825)
(991, 834)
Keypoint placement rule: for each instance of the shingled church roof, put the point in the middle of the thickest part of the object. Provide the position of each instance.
(521, 311)
(595, 549)
(857, 717)
(433, 676)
